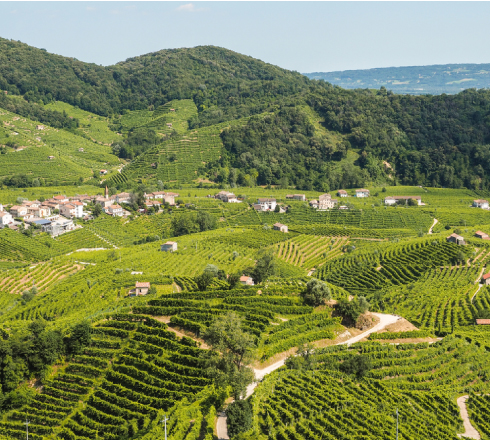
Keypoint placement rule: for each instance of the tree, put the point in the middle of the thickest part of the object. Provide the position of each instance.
(184, 224)
(205, 221)
(204, 280)
(232, 351)
(317, 292)
(97, 210)
(212, 270)
(358, 365)
(352, 309)
(233, 280)
(239, 417)
(81, 335)
(264, 267)
(304, 359)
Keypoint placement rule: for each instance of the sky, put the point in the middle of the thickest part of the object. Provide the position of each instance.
(302, 36)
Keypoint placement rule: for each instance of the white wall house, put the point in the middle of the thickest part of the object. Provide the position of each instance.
(267, 204)
(483, 204)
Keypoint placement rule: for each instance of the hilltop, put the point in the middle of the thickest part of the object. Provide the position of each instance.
(412, 80)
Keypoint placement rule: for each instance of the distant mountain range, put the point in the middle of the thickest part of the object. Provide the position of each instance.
(414, 80)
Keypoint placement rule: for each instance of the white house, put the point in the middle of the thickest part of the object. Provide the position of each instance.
(300, 197)
(5, 218)
(325, 201)
(483, 204)
(227, 197)
(115, 210)
(313, 203)
(392, 200)
(342, 193)
(267, 204)
(280, 227)
(362, 192)
(169, 246)
(142, 288)
(246, 281)
(18, 211)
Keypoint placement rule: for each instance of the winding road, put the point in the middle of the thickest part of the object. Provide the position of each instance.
(384, 320)
(469, 430)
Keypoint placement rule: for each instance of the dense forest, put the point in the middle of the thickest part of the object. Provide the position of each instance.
(440, 140)
(284, 148)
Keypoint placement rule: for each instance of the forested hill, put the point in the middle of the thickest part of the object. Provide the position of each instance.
(256, 123)
(414, 80)
(223, 84)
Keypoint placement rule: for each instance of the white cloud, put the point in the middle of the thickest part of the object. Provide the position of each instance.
(188, 7)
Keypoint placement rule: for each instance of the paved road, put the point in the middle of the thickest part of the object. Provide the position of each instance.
(384, 320)
(469, 431)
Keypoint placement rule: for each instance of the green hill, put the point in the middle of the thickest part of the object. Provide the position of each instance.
(413, 80)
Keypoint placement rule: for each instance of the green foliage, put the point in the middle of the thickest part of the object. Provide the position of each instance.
(317, 292)
(353, 309)
(264, 267)
(232, 352)
(239, 417)
(356, 365)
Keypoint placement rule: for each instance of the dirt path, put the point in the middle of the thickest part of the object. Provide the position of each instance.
(433, 224)
(469, 431)
(384, 320)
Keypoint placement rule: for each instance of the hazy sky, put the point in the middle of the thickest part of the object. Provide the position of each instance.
(302, 36)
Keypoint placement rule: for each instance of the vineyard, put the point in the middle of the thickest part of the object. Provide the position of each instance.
(133, 369)
(75, 158)
(419, 380)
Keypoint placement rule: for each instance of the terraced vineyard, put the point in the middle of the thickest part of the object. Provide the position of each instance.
(310, 251)
(74, 157)
(133, 369)
(279, 320)
(421, 381)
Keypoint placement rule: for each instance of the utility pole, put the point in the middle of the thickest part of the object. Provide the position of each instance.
(396, 424)
(165, 420)
(27, 428)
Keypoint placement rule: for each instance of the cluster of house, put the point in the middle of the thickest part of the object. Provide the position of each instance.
(55, 215)
(52, 216)
(393, 200)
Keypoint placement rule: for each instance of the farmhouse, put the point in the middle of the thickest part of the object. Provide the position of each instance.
(280, 227)
(456, 239)
(483, 322)
(51, 157)
(480, 203)
(227, 197)
(482, 235)
(18, 211)
(300, 197)
(115, 210)
(486, 279)
(169, 246)
(102, 201)
(142, 288)
(123, 197)
(392, 200)
(80, 150)
(246, 281)
(267, 204)
(362, 192)
(313, 203)
(39, 127)
(103, 172)
(5, 218)
(325, 201)
(342, 193)
(60, 199)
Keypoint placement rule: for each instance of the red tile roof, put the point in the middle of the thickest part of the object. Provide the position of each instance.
(486, 276)
(143, 285)
(483, 321)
